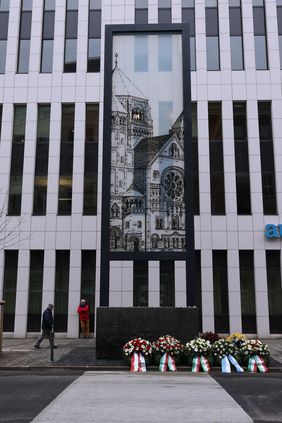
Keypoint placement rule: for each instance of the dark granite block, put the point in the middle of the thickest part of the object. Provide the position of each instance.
(117, 325)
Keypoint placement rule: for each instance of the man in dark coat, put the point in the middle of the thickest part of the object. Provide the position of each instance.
(47, 326)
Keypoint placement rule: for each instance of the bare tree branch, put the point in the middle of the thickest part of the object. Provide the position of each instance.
(10, 233)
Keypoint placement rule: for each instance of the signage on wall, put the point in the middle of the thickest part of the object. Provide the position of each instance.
(273, 231)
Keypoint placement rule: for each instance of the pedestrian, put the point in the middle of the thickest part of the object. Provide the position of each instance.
(47, 327)
(83, 311)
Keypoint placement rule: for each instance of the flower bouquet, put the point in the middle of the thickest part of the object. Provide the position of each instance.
(237, 338)
(199, 351)
(226, 352)
(256, 354)
(165, 350)
(210, 336)
(136, 351)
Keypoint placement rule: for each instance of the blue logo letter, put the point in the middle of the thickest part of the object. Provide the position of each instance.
(271, 231)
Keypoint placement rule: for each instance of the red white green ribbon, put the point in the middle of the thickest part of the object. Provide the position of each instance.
(257, 362)
(225, 364)
(167, 361)
(137, 363)
(198, 361)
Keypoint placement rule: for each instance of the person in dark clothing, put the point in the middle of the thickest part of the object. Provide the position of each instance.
(47, 326)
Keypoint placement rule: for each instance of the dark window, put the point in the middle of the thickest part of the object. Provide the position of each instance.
(198, 286)
(164, 11)
(10, 289)
(259, 21)
(41, 160)
(273, 268)
(164, 16)
(65, 195)
(70, 56)
(17, 160)
(4, 23)
(24, 38)
(23, 63)
(91, 159)
(261, 52)
(4, 5)
(141, 11)
(167, 284)
(279, 22)
(47, 56)
(236, 36)
(220, 291)
(260, 35)
(48, 25)
(237, 61)
(3, 51)
(216, 160)
(241, 159)
(95, 24)
(235, 21)
(0, 120)
(211, 22)
(279, 17)
(27, 4)
(94, 37)
(35, 290)
(88, 269)
(140, 283)
(188, 16)
(212, 36)
(25, 26)
(247, 289)
(48, 37)
(71, 36)
(267, 159)
(71, 24)
(195, 159)
(66, 160)
(213, 53)
(141, 16)
(61, 291)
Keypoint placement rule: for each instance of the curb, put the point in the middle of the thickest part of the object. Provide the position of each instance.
(119, 368)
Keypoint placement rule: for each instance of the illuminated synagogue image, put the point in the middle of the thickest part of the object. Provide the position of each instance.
(147, 175)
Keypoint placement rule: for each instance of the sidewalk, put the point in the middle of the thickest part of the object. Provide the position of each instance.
(19, 354)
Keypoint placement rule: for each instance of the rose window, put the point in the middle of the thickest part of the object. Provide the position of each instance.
(173, 185)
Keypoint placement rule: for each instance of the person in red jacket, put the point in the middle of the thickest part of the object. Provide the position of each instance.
(83, 311)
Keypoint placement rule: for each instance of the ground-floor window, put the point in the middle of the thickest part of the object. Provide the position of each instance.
(167, 284)
(61, 291)
(88, 272)
(198, 286)
(247, 289)
(220, 291)
(140, 283)
(36, 269)
(273, 269)
(10, 289)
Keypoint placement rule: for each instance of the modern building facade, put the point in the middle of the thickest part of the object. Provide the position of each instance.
(51, 164)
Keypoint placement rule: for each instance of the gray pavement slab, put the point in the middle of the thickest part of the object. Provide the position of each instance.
(110, 397)
(21, 352)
